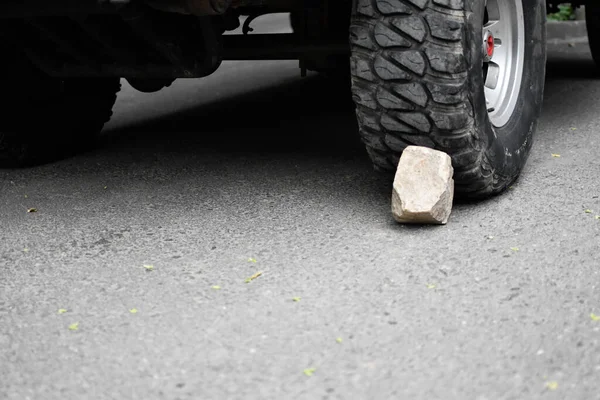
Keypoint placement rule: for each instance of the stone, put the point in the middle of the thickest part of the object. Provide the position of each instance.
(423, 187)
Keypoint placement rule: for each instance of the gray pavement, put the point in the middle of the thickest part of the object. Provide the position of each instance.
(257, 163)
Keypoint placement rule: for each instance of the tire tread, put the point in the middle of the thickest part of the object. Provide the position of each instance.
(412, 52)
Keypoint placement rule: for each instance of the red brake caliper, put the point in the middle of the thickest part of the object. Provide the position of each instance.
(490, 45)
(488, 48)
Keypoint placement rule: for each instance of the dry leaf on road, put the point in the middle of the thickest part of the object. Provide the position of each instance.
(253, 277)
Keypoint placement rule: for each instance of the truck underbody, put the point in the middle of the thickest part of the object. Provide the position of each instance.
(152, 43)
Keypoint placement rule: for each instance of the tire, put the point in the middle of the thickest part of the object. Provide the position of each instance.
(592, 19)
(46, 119)
(418, 79)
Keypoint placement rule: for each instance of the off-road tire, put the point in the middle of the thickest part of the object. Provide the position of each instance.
(417, 80)
(45, 119)
(592, 17)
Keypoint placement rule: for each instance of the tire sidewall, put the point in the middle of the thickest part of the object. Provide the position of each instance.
(508, 147)
(592, 18)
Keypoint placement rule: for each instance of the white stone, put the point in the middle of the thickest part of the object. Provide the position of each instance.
(423, 187)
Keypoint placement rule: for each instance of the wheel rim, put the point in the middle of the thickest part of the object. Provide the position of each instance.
(503, 51)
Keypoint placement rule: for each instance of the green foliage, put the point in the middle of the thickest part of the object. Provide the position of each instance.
(566, 12)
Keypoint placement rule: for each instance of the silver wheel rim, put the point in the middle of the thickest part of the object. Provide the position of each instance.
(503, 69)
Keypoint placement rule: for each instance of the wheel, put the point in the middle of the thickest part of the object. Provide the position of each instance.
(592, 18)
(462, 76)
(45, 119)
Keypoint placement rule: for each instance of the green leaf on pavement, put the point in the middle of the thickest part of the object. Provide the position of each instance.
(62, 310)
(430, 286)
(339, 340)
(552, 385)
(514, 248)
(555, 155)
(216, 287)
(74, 326)
(595, 317)
(296, 299)
(252, 260)
(309, 371)
(588, 211)
(149, 267)
(133, 310)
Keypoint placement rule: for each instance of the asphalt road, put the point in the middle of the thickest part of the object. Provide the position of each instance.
(258, 163)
